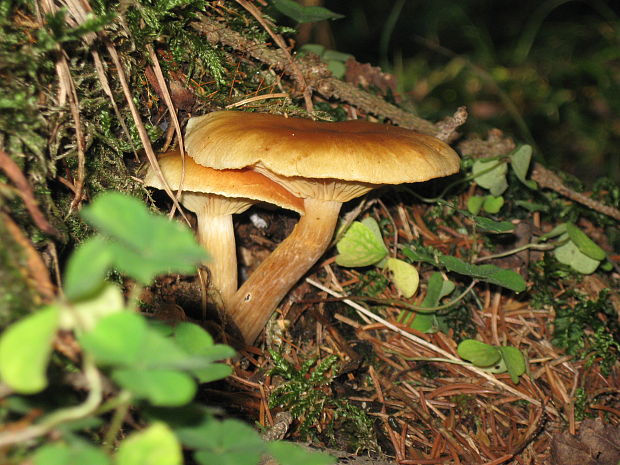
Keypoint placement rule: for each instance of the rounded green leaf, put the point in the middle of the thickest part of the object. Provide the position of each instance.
(25, 349)
(514, 361)
(77, 453)
(229, 442)
(192, 338)
(478, 353)
(304, 14)
(474, 204)
(585, 245)
(87, 313)
(87, 268)
(360, 247)
(569, 254)
(404, 276)
(163, 388)
(491, 175)
(214, 372)
(117, 339)
(142, 244)
(287, 453)
(156, 445)
(520, 162)
(493, 204)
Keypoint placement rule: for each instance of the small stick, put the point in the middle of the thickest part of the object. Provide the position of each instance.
(11, 169)
(428, 345)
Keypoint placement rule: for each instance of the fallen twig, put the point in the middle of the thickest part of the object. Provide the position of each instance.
(24, 190)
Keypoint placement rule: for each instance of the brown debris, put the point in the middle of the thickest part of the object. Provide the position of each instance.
(24, 190)
(596, 443)
(365, 75)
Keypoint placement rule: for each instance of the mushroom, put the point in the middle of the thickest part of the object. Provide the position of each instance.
(214, 196)
(324, 163)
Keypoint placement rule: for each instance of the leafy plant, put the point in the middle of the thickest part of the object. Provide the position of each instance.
(305, 393)
(149, 364)
(304, 14)
(362, 245)
(496, 359)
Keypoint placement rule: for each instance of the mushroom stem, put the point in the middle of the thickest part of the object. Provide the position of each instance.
(258, 297)
(216, 235)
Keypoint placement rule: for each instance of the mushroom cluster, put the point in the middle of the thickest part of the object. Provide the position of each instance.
(325, 164)
(214, 196)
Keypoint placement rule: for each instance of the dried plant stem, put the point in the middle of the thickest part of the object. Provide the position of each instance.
(316, 74)
(144, 137)
(67, 90)
(549, 180)
(12, 171)
(297, 74)
(429, 345)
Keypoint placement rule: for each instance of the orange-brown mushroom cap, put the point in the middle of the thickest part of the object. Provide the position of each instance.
(324, 163)
(215, 195)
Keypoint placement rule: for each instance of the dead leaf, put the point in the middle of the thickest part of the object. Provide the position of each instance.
(596, 443)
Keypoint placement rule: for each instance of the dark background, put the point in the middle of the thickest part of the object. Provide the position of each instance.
(546, 73)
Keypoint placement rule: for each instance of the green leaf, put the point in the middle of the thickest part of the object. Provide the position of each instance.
(585, 245)
(25, 349)
(555, 232)
(404, 275)
(317, 49)
(229, 442)
(520, 162)
(192, 338)
(474, 204)
(478, 353)
(87, 313)
(438, 288)
(304, 14)
(532, 206)
(164, 388)
(491, 175)
(514, 361)
(335, 55)
(156, 445)
(117, 339)
(287, 453)
(372, 224)
(569, 254)
(162, 352)
(197, 342)
(87, 268)
(337, 68)
(212, 373)
(77, 453)
(418, 255)
(492, 226)
(493, 204)
(144, 245)
(489, 273)
(360, 247)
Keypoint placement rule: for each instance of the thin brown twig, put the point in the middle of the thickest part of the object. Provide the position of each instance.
(297, 74)
(549, 180)
(67, 90)
(24, 190)
(161, 81)
(316, 74)
(144, 137)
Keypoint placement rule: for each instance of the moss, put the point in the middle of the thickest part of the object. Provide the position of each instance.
(17, 296)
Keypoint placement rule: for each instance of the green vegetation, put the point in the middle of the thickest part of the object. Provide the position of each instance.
(141, 364)
(306, 393)
(87, 378)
